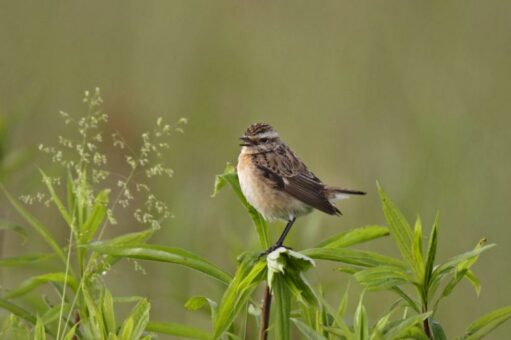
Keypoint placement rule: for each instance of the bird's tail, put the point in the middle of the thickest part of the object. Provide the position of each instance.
(335, 193)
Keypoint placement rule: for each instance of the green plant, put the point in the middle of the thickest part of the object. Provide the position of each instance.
(82, 306)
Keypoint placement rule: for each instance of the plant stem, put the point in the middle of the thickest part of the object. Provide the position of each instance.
(425, 323)
(265, 320)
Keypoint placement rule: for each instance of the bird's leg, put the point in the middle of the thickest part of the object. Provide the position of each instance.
(281, 239)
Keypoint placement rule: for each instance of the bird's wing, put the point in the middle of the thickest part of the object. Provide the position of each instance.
(289, 174)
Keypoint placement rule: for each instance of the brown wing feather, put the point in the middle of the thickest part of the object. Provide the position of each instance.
(290, 175)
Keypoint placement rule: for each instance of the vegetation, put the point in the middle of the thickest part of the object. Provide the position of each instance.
(81, 305)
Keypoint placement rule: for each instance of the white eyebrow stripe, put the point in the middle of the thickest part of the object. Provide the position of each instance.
(268, 134)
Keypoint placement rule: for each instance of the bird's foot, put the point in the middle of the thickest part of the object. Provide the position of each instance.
(272, 249)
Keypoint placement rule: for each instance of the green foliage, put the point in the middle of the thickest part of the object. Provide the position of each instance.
(83, 307)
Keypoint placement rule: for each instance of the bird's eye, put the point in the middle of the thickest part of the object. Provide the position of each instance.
(264, 140)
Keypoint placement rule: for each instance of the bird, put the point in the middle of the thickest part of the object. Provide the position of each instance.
(278, 184)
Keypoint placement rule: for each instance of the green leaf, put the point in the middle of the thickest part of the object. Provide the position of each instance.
(361, 325)
(70, 335)
(178, 330)
(283, 307)
(58, 203)
(351, 256)
(417, 258)
(438, 331)
(197, 302)
(450, 264)
(249, 273)
(6, 225)
(472, 278)
(283, 259)
(38, 226)
(432, 246)
(487, 323)
(231, 177)
(39, 333)
(399, 329)
(14, 328)
(411, 302)
(17, 310)
(93, 320)
(398, 225)
(107, 307)
(307, 331)
(96, 217)
(163, 254)
(18, 261)
(382, 277)
(34, 282)
(140, 316)
(355, 236)
(127, 329)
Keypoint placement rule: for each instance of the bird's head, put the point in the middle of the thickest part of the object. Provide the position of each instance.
(259, 137)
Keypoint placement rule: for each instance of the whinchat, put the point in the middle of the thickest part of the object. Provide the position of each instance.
(278, 184)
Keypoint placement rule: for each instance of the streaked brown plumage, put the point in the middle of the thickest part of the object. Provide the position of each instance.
(276, 182)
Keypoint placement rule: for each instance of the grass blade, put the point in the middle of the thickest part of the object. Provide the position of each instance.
(351, 256)
(381, 277)
(178, 330)
(140, 316)
(163, 254)
(18, 261)
(307, 331)
(34, 282)
(398, 225)
(55, 198)
(485, 324)
(17, 310)
(283, 306)
(249, 273)
(38, 226)
(355, 236)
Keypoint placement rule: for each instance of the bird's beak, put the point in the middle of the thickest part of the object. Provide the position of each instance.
(245, 141)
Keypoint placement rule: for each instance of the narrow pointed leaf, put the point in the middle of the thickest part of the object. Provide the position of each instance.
(164, 254)
(17, 310)
(96, 217)
(140, 316)
(307, 331)
(382, 277)
(487, 323)
(403, 326)
(231, 177)
(177, 330)
(398, 225)
(431, 254)
(34, 282)
(355, 236)
(39, 333)
(361, 324)
(38, 226)
(283, 307)
(55, 198)
(6, 225)
(351, 256)
(18, 261)
(417, 258)
(249, 273)
(107, 307)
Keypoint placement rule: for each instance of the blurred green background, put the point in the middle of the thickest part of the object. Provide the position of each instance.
(415, 94)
